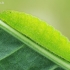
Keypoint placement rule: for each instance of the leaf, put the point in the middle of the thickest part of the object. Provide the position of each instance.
(14, 55)
(37, 35)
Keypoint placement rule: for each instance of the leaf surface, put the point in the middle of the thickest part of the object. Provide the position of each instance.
(14, 55)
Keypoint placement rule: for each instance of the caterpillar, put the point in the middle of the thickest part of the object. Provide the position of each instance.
(38, 31)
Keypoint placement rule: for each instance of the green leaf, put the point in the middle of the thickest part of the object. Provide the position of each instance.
(7, 44)
(37, 35)
(14, 55)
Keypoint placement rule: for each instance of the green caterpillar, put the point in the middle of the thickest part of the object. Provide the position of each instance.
(38, 31)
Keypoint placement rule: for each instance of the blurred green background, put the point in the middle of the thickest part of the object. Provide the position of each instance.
(54, 12)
